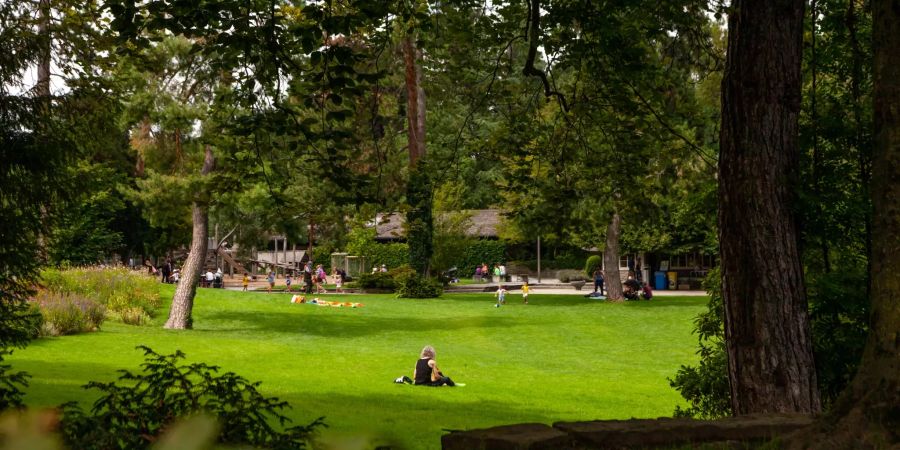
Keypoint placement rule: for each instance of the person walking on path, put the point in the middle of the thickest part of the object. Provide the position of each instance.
(245, 282)
(271, 280)
(307, 279)
(501, 296)
(525, 292)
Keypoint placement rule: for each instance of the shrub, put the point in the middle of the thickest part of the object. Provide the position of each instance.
(133, 316)
(133, 414)
(568, 275)
(593, 263)
(377, 280)
(11, 385)
(706, 387)
(413, 285)
(118, 289)
(68, 314)
(839, 320)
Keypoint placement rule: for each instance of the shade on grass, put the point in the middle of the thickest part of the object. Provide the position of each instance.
(557, 358)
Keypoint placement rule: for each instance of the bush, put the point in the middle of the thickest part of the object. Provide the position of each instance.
(706, 387)
(377, 280)
(413, 285)
(133, 316)
(839, 320)
(11, 385)
(64, 314)
(118, 289)
(133, 414)
(593, 263)
(569, 275)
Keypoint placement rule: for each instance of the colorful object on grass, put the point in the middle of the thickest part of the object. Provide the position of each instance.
(320, 302)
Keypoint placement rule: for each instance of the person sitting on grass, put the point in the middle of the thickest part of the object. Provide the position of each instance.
(632, 288)
(427, 373)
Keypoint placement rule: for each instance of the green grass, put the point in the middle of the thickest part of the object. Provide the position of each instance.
(558, 358)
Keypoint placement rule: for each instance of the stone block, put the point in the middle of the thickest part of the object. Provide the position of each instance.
(528, 436)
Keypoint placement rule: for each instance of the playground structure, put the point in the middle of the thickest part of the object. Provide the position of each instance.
(282, 260)
(354, 266)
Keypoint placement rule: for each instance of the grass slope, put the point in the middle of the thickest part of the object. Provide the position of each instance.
(558, 358)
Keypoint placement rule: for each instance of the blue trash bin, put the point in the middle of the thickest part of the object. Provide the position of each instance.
(660, 280)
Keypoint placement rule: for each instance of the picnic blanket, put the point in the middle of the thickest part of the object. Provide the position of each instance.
(317, 301)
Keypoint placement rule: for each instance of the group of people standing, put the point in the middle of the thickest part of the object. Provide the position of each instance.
(484, 273)
(167, 271)
(313, 278)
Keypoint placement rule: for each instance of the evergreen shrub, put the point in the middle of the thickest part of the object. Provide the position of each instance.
(133, 412)
(12, 385)
(593, 263)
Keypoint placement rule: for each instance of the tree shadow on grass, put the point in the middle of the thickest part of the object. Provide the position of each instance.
(388, 418)
(341, 325)
(658, 302)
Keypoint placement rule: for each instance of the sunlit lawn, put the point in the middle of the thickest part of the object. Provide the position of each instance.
(558, 358)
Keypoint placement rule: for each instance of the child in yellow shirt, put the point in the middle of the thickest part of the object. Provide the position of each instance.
(246, 281)
(525, 292)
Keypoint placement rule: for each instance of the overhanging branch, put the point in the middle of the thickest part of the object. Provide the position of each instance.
(533, 28)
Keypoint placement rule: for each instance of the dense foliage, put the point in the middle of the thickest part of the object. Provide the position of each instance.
(705, 386)
(593, 263)
(415, 285)
(133, 412)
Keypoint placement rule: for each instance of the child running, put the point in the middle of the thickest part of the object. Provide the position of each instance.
(525, 292)
(501, 296)
(287, 281)
(246, 281)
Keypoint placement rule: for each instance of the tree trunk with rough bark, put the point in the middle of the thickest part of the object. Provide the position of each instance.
(612, 280)
(183, 301)
(418, 190)
(42, 87)
(770, 358)
(415, 100)
(867, 415)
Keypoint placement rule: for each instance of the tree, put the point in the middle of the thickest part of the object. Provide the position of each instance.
(865, 416)
(770, 358)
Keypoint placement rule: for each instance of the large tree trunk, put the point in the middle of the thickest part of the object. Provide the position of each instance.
(770, 358)
(418, 190)
(867, 415)
(42, 87)
(612, 280)
(415, 100)
(183, 301)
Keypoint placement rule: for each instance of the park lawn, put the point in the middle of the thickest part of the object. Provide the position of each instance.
(558, 358)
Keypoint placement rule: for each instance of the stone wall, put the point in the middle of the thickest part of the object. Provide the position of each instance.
(627, 434)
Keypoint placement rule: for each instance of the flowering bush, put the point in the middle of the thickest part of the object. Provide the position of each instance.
(120, 290)
(68, 313)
